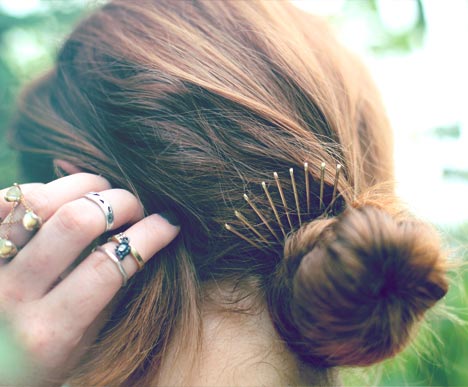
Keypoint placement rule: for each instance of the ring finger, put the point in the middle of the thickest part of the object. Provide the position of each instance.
(63, 238)
(91, 286)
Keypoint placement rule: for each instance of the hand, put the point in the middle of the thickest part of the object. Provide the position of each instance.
(53, 314)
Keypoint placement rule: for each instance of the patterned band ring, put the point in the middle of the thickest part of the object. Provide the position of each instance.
(119, 265)
(105, 207)
(124, 248)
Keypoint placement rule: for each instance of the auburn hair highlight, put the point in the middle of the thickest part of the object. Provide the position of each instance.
(191, 104)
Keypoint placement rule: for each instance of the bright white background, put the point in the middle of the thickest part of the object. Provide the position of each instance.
(425, 90)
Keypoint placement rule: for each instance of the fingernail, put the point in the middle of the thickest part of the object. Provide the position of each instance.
(59, 172)
(170, 217)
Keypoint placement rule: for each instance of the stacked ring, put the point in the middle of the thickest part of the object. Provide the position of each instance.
(117, 263)
(124, 248)
(105, 207)
(30, 220)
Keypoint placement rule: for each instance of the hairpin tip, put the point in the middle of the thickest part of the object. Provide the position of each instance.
(246, 197)
(227, 226)
(306, 178)
(322, 178)
(335, 184)
(283, 199)
(273, 207)
(296, 197)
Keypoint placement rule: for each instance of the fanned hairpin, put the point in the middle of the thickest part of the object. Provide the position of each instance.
(261, 241)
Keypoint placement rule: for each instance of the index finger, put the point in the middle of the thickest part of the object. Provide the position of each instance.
(46, 199)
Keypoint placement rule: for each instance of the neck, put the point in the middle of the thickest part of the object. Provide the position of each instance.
(238, 346)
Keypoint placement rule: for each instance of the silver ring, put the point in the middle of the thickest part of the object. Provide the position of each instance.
(117, 263)
(105, 207)
(124, 248)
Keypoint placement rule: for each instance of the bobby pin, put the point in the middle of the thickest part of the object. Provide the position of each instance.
(335, 184)
(244, 220)
(273, 207)
(254, 207)
(283, 199)
(235, 232)
(306, 175)
(322, 178)
(296, 197)
(264, 240)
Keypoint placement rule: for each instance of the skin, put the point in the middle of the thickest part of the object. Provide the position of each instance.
(236, 349)
(54, 306)
(57, 306)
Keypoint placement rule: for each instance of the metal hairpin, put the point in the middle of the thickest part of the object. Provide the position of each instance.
(262, 241)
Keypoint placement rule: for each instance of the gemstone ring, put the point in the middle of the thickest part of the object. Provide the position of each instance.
(124, 248)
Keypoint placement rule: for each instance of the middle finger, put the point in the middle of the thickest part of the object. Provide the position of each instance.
(63, 238)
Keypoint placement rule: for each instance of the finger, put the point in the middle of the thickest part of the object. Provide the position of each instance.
(80, 297)
(63, 238)
(66, 166)
(46, 199)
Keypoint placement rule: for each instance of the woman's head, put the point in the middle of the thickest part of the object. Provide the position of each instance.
(191, 105)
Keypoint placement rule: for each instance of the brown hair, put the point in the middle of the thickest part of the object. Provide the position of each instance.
(191, 104)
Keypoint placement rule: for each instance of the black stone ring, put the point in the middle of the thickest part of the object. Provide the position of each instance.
(124, 248)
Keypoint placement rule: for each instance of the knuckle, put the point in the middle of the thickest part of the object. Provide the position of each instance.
(132, 202)
(75, 218)
(43, 337)
(127, 195)
(103, 269)
(39, 201)
(10, 293)
(101, 183)
(38, 336)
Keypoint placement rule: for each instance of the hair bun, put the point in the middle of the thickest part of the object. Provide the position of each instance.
(351, 288)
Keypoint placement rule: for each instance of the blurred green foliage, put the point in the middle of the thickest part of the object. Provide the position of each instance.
(439, 356)
(381, 39)
(28, 45)
(12, 358)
